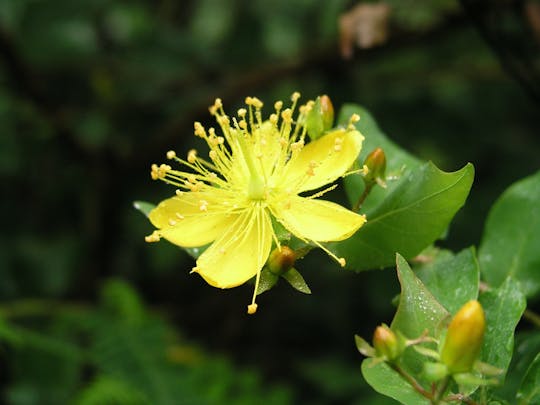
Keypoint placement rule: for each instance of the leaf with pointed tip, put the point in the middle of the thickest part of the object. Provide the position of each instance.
(267, 280)
(512, 235)
(144, 207)
(418, 309)
(410, 218)
(295, 279)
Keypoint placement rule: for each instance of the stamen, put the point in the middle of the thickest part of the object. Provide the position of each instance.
(154, 237)
(192, 156)
(171, 154)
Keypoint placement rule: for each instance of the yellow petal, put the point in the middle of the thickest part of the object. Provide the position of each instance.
(329, 157)
(317, 220)
(191, 219)
(238, 254)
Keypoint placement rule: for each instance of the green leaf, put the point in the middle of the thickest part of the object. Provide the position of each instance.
(267, 280)
(512, 235)
(418, 309)
(503, 308)
(144, 207)
(398, 161)
(388, 382)
(295, 279)
(409, 219)
(527, 346)
(529, 392)
(460, 271)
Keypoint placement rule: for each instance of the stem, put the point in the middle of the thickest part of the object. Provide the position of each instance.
(363, 197)
(460, 397)
(441, 390)
(410, 379)
(532, 317)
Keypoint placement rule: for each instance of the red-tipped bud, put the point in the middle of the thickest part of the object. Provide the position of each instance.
(281, 260)
(386, 343)
(464, 338)
(376, 166)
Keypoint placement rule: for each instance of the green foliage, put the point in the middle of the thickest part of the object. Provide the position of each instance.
(509, 247)
(504, 307)
(441, 283)
(529, 392)
(442, 269)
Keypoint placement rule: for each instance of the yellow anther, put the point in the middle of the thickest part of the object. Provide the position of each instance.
(203, 205)
(172, 222)
(278, 105)
(255, 102)
(252, 308)
(192, 156)
(179, 216)
(365, 170)
(242, 112)
(154, 237)
(179, 192)
(154, 173)
(342, 262)
(286, 115)
(199, 130)
(295, 96)
(171, 154)
(274, 119)
(212, 154)
(218, 103)
(353, 120)
(242, 124)
(296, 146)
(224, 120)
(312, 165)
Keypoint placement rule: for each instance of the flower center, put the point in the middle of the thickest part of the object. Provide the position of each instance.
(256, 188)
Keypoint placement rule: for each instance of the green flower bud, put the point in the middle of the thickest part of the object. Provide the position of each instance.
(464, 338)
(320, 117)
(376, 166)
(327, 112)
(386, 343)
(281, 260)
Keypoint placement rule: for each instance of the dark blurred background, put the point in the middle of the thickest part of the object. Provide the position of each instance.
(92, 92)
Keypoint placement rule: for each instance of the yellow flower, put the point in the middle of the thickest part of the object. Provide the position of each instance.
(255, 173)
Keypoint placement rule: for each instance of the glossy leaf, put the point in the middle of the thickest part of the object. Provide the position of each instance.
(503, 308)
(295, 279)
(512, 237)
(418, 310)
(409, 219)
(529, 392)
(446, 269)
(388, 382)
